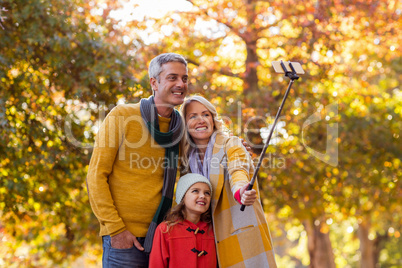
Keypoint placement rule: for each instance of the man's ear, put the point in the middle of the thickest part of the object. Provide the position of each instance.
(154, 83)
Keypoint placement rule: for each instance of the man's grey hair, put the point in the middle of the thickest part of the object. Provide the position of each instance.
(155, 66)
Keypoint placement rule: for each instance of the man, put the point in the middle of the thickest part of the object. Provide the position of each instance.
(133, 167)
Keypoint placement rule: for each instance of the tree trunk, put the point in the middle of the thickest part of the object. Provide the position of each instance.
(366, 246)
(252, 96)
(251, 78)
(319, 246)
(369, 249)
(250, 38)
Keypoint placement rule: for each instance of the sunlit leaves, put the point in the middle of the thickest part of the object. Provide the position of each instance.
(68, 62)
(53, 63)
(349, 54)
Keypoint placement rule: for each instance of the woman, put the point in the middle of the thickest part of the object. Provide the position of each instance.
(242, 238)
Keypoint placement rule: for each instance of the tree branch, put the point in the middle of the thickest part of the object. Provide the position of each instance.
(223, 71)
(226, 71)
(203, 11)
(3, 9)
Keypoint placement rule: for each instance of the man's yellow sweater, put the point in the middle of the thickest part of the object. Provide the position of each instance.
(125, 176)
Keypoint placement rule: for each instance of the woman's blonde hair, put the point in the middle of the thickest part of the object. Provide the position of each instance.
(187, 141)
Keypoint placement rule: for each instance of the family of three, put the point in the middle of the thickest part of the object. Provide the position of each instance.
(131, 192)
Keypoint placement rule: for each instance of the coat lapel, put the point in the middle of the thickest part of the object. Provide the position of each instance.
(216, 173)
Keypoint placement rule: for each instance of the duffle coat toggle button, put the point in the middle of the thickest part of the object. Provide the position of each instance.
(195, 230)
(200, 253)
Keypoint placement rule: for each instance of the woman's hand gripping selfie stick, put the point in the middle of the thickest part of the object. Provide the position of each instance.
(293, 75)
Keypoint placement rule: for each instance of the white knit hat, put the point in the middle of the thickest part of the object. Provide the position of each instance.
(186, 182)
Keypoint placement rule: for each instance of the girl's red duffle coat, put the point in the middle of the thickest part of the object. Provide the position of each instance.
(183, 246)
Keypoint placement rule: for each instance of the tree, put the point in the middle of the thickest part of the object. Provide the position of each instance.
(56, 67)
(66, 64)
(340, 46)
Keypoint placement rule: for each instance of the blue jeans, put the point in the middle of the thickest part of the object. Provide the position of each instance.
(130, 257)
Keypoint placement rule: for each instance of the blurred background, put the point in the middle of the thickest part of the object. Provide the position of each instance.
(331, 180)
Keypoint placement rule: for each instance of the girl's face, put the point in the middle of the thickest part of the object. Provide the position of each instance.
(196, 201)
(199, 122)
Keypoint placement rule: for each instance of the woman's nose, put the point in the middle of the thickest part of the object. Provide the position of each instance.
(200, 118)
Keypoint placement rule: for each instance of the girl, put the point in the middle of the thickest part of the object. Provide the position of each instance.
(185, 238)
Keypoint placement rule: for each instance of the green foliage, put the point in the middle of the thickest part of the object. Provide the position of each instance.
(53, 65)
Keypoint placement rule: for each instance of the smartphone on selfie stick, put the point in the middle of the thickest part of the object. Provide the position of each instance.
(291, 70)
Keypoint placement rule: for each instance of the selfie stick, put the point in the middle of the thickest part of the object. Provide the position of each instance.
(293, 76)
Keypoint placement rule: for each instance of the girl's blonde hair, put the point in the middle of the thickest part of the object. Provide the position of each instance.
(187, 142)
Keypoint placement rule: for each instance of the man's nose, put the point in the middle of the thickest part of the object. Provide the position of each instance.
(180, 83)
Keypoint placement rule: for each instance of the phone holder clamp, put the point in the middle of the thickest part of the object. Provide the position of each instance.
(291, 74)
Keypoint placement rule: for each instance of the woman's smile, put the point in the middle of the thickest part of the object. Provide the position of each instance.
(200, 122)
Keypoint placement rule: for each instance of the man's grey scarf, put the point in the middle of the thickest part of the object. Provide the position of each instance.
(170, 141)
